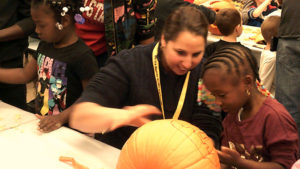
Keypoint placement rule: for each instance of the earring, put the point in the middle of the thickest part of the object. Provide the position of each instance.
(248, 92)
(59, 26)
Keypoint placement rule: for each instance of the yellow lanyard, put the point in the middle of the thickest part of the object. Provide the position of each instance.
(157, 79)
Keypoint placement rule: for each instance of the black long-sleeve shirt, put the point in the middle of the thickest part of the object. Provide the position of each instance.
(128, 79)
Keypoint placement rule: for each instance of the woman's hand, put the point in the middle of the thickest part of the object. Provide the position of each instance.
(137, 115)
(93, 118)
(48, 123)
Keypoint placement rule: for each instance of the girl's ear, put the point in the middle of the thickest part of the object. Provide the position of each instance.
(66, 20)
(248, 81)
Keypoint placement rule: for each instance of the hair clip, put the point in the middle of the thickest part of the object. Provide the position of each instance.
(84, 9)
(64, 11)
(79, 19)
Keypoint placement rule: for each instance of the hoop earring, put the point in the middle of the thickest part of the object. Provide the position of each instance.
(248, 92)
(59, 26)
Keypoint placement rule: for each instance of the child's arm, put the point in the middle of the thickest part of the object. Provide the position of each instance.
(23, 27)
(50, 123)
(233, 158)
(19, 75)
(259, 10)
(245, 9)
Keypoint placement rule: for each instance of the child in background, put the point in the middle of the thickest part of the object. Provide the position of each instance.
(15, 27)
(63, 64)
(229, 23)
(258, 130)
(269, 30)
(277, 12)
(259, 11)
(108, 28)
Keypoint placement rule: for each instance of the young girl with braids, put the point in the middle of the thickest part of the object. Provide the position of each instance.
(258, 130)
(63, 64)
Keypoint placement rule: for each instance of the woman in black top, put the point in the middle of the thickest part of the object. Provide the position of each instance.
(148, 77)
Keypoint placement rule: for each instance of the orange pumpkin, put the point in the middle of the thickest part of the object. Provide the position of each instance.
(168, 144)
(216, 6)
(199, 2)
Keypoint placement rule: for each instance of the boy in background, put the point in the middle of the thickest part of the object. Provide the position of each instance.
(258, 11)
(229, 23)
(269, 30)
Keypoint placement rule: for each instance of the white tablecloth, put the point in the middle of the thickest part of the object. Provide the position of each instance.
(23, 146)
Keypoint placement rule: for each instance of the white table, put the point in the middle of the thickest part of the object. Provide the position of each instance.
(23, 146)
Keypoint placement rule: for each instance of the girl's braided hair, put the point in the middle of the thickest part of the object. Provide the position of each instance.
(237, 59)
(58, 5)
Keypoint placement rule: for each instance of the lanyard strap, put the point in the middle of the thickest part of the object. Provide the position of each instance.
(158, 85)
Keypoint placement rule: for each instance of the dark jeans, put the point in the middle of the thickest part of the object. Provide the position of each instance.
(288, 76)
(14, 95)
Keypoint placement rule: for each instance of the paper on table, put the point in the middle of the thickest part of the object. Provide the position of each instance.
(11, 117)
(26, 147)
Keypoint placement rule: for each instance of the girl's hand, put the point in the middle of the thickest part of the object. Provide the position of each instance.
(229, 157)
(48, 123)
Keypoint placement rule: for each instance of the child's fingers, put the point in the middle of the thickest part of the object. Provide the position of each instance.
(48, 124)
(228, 151)
(48, 127)
(224, 158)
(38, 116)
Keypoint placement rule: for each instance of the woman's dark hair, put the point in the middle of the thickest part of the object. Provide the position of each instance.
(185, 18)
(58, 5)
(237, 59)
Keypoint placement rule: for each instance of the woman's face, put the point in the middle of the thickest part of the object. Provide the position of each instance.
(184, 53)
